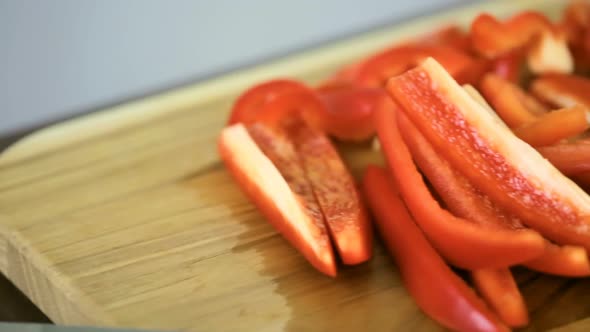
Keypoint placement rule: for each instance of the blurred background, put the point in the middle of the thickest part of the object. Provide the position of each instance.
(65, 57)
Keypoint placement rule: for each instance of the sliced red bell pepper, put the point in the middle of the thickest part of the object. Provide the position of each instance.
(555, 126)
(514, 106)
(567, 261)
(509, 66)
(375, 71)
(266, 166)
(562, 90)
(461, 242)
(465, 201)
(572, 158)
(246, 109)
(513, 174)
(439, 292)
(450, 35)
(499, 289)
(336, 193)
(546, 45)
(348, 114)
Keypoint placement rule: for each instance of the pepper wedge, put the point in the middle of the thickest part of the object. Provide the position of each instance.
(278, 189)
(499, 289)
(513, 174)
(436, 289)
(336, 193)
(461, 242)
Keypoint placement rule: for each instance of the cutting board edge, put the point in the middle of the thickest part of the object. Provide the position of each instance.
(294, 65)
(45, 286)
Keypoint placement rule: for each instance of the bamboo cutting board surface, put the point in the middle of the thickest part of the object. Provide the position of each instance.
(126, 217)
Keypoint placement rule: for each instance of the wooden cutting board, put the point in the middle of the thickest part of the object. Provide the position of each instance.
(126, 217)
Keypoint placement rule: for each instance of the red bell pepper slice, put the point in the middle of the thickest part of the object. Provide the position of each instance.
(247, 107)
(547, 49)
(555, 126)
(567, 261)
(439, 292)
(266, 166)
(513, 174)
(348, 114)
(562, 90)
(500, 291)
(375, 71)
(336, 193)
(514, 106)
(509, 66)
(461, 242)
(572, 158)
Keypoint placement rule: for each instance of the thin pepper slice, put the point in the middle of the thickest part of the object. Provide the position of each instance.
(511, 103)
(448, 300)
(567, 261)
(513, 174)
(499, 289)
(461, 242)
(336, 192)
(562, 90)
(555, 126)
(266, 166)
(375, 70)
(571, 158)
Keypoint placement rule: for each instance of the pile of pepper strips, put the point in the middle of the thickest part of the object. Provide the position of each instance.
(483, 132)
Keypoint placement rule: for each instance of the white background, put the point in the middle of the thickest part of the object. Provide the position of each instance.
(63, 57)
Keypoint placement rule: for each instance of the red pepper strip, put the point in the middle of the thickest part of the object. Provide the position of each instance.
(555, 126)
(247, 106)
(499, 289)
(568, 261)
(461, 242)
(439, 292)
(509, 101)
(451, 35)
(570, 158)
(336, 192)
(266, 166)
(348, 114)
(465, 201)
(513, 174)
(375, 71)
(548, 49)
(562, 90)
(509, 66)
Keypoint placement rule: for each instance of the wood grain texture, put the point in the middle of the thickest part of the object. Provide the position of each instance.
(128, 218)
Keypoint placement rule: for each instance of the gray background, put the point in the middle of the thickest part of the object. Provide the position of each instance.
(63, 57)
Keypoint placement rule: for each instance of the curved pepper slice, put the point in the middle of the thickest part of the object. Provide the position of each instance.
(571, 158)
(568, 261)
(511, 103)
(546, 45)
(246, 109)
(513, 174)
(509, 66)
(439, 292)
(499, 289)
(336, 192)
(348, 114)
(555, 126)
(265, 165)
(461, 242)
(562, 90)
(375, 70)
